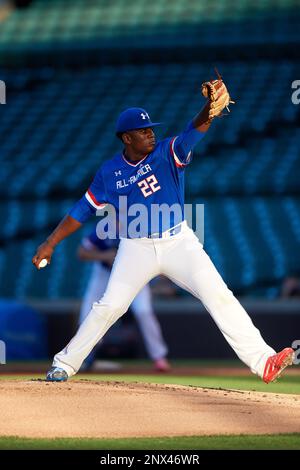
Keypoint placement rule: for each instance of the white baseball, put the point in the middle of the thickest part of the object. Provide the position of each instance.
(43, 263)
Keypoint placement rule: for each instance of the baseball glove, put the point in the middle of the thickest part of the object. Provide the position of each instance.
(219, 98)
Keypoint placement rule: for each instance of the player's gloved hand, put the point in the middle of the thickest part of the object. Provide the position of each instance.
(44, 251)
(218, 96)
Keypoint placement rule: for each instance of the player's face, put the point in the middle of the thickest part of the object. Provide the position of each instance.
(141, 140)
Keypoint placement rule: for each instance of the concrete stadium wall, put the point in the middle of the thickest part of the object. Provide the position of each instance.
(188, 329)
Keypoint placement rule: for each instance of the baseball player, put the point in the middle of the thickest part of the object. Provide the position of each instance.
(102, 253)
(149, 173)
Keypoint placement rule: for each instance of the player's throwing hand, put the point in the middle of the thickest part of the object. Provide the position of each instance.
(44, 251)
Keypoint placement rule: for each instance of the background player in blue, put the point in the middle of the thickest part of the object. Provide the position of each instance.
(102, 253)
(152, 173)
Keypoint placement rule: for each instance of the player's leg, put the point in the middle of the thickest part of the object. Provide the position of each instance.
(94, 291)
(190, 267)
(142, 309)
(134, 266)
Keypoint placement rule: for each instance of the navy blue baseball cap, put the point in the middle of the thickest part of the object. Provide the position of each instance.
(134, 118)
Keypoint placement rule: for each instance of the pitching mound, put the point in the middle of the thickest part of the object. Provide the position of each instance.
(117, 409)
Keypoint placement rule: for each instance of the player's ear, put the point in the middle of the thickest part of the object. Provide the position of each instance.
(126, 138)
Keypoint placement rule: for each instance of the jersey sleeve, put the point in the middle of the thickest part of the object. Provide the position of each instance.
(181, 146)
(93, 200)
(82, 210)
(95, 194)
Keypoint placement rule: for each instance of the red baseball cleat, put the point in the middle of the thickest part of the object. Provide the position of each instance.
(162, 365)
(277, 363)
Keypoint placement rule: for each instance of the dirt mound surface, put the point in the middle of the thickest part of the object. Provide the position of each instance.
(116, 409)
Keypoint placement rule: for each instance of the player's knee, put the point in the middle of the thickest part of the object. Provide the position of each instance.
(218, 298)
(224, 297)
(113, 309)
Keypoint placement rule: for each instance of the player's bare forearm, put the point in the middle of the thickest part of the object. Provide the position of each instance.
(66, 227)
(201, 121)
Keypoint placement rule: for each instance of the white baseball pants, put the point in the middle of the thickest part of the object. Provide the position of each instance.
(141, 308)
(182, 259)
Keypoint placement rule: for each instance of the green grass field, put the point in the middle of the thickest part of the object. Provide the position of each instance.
(287, 384)
(252, 442)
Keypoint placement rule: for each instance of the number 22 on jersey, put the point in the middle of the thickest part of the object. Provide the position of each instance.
(149, 185)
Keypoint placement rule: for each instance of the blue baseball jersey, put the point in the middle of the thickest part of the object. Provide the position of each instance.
(156, 180)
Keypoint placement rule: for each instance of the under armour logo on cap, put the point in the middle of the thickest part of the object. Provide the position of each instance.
(134, 118)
